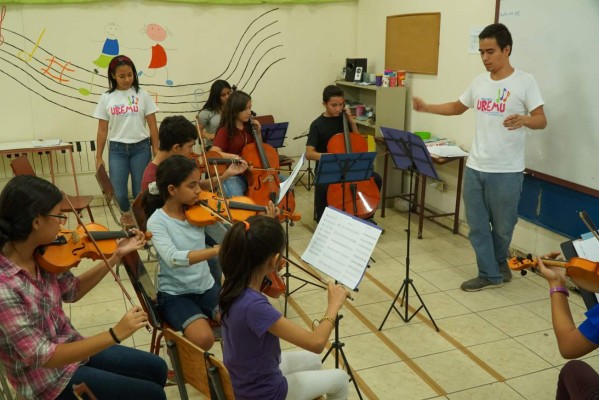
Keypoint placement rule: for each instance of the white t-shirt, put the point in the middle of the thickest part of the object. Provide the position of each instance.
(495, 148)
(126, 111)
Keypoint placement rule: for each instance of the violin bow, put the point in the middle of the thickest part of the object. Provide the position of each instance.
(589, 223)
(222, 192)
(104, 259)
(203, 151)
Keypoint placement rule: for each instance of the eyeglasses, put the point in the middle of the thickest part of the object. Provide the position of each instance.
(61, 217)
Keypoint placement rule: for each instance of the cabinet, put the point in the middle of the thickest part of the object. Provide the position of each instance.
(388, 103)
(389, 106)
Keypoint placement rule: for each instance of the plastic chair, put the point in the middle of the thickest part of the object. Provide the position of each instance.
(22, 166)
(198, 368)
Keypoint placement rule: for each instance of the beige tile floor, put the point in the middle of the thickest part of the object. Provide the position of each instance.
(494, 344)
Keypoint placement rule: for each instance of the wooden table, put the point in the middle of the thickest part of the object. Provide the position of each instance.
(420, 191)
(18, 148)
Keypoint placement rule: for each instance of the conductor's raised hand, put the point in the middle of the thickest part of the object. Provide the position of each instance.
(418, 104)
(337, 295)
(133, 320)
(515, 121)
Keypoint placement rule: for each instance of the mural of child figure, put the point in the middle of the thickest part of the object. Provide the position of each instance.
(111, 45)
(159, 59)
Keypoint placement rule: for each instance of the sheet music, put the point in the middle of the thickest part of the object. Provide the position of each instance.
(285, 186)
(587, 248)
(447, 151)
(341, 246)
(46, 143)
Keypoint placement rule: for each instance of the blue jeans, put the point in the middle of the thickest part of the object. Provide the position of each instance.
(491, 201)
(125, 159)
(121, 372)
(235, 186)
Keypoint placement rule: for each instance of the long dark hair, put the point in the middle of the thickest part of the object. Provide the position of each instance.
(117, 61)
(23, 199)
(172, 171)
(236, 103)
(213, 102)
(243, 251)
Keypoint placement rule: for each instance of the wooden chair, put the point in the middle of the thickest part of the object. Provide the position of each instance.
(108, 192)
(22, 166)
(284, 161)
(146, 294)
(198, 368)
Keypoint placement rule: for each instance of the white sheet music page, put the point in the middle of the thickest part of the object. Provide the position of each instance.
(587, 248)
(285, 186)
(341, 246)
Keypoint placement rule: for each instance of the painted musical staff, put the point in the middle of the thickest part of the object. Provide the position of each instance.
(24, 56)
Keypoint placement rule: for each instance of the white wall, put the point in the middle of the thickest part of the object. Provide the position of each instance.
(200, 43)
(457, 68)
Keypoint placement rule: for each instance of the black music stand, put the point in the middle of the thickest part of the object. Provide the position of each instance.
(410, 154)
(344, 168)
(274, 134)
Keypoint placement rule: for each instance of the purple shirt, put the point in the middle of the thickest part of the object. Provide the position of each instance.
(32, 324)
(251, 353)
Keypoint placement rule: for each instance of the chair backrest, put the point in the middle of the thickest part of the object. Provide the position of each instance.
(139, 213)
(21, 166)
(265, 119)
(198, 368)
(108, 192)
(143, 286)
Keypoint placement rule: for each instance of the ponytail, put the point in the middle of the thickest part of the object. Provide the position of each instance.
(246, 247)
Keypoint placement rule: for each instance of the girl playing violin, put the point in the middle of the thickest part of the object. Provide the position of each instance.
(42, 353)
(252, 327)
(187, 293)
(234, 133)
(577, 379)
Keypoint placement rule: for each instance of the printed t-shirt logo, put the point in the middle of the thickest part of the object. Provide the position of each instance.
(130, 108)
(494, 106)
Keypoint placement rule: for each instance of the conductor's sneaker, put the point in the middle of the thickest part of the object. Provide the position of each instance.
(478, 283)
(506, 272)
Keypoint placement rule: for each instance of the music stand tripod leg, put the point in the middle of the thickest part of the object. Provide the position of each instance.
(337, 345)
(288, 275)
(408, 282)
(310, 177)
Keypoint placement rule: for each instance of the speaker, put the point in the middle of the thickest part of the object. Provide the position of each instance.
(350, 67)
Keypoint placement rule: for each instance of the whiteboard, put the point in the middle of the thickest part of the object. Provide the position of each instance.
(558, 42)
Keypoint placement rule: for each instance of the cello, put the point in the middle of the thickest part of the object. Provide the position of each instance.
(359, 198)
(263, 179)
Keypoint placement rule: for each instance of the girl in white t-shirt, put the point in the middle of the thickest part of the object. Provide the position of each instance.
(122, 113)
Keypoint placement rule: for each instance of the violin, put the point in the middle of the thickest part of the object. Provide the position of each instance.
(272, 284)
(584, 273)
(201, 215)
(241, 207)
(360, 198)
(208, 210)
(263, 181)
(203, 161)
(70, 247)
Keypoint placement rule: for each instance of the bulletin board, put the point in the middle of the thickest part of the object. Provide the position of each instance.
(412, 42)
